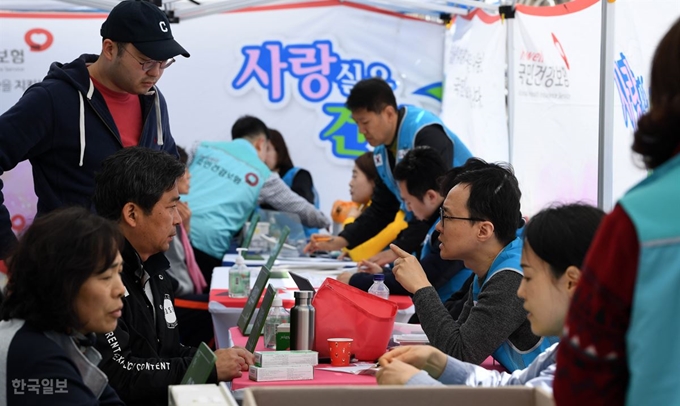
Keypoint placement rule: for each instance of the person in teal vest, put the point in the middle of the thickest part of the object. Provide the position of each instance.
(418, 175)
(623, 329)
(393, 131)
(228, 181)
(478, 225)
(299, 180)
(555, 244)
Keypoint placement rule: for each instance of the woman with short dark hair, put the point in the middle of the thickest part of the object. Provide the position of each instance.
(64, 286)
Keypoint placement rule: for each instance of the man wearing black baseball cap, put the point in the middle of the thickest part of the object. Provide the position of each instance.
(88, 109)
(145, 26)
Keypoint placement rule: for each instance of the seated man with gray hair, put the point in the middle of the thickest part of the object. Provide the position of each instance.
(137, 189)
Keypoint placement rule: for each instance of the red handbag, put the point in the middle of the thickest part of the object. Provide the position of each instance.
(345, 311)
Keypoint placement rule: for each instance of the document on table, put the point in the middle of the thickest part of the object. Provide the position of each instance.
(359, 368)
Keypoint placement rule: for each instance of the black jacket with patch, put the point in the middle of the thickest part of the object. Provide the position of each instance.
(142, 357)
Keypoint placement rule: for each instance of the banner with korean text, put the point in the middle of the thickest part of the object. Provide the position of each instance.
(556, 87)
(292, 66)
(639, 26)
(473, 105)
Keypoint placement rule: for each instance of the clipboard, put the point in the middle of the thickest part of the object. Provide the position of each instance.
(248, 237)
(261, 319)
(251, 303)
(277, 248)
(200, 367)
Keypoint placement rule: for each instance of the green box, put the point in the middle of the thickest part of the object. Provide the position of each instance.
(282, 340)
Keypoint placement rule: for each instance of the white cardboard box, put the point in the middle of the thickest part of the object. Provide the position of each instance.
(206, 395)
(285, 358)
(396, 396)
(287, 373)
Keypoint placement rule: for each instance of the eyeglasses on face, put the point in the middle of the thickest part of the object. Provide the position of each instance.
(148, 65)
(443, 217)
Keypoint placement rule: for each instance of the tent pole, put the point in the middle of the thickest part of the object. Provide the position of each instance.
(509, 17)
(606, 122)
(106, 5)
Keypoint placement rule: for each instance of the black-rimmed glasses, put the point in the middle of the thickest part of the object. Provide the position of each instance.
(148, 65)
(443, 217)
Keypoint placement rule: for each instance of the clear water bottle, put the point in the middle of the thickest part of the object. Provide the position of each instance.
(277, 315)
(302, 317)
(379, 288)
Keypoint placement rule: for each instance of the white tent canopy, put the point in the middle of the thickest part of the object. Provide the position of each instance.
(185, 9)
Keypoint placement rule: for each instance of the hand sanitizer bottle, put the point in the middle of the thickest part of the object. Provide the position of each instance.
(239, 276)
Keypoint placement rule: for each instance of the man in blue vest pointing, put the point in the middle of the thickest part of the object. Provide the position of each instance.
(393, 131)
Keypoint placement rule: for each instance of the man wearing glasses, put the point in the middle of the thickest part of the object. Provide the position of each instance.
(479, 225)
(88, 109)
(418, 177)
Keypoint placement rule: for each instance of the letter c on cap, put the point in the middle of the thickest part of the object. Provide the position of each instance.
(164, 28)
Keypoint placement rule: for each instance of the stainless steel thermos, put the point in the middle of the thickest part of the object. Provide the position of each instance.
(302, 321)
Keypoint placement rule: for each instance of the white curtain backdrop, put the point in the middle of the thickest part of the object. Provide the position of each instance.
(473, 105)
(292, 66)
(556, 84)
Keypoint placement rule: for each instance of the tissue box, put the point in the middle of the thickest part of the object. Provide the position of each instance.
(289, 373)
(285, 358)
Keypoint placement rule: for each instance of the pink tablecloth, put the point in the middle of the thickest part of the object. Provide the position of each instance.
(321, 377)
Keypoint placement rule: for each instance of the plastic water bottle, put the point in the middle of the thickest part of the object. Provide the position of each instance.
(379, 288)
(277, 315)
(239, 277)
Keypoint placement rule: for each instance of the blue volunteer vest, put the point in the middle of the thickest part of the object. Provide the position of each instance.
(652, 336)
(288, 180)
(427, 243)
(414, 120)
(508, 260)
(226, 178)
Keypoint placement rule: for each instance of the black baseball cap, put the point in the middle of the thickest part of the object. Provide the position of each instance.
(144, 25)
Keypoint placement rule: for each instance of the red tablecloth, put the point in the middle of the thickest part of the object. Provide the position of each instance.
(222, 296)
(402, 301)
(321, 377)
